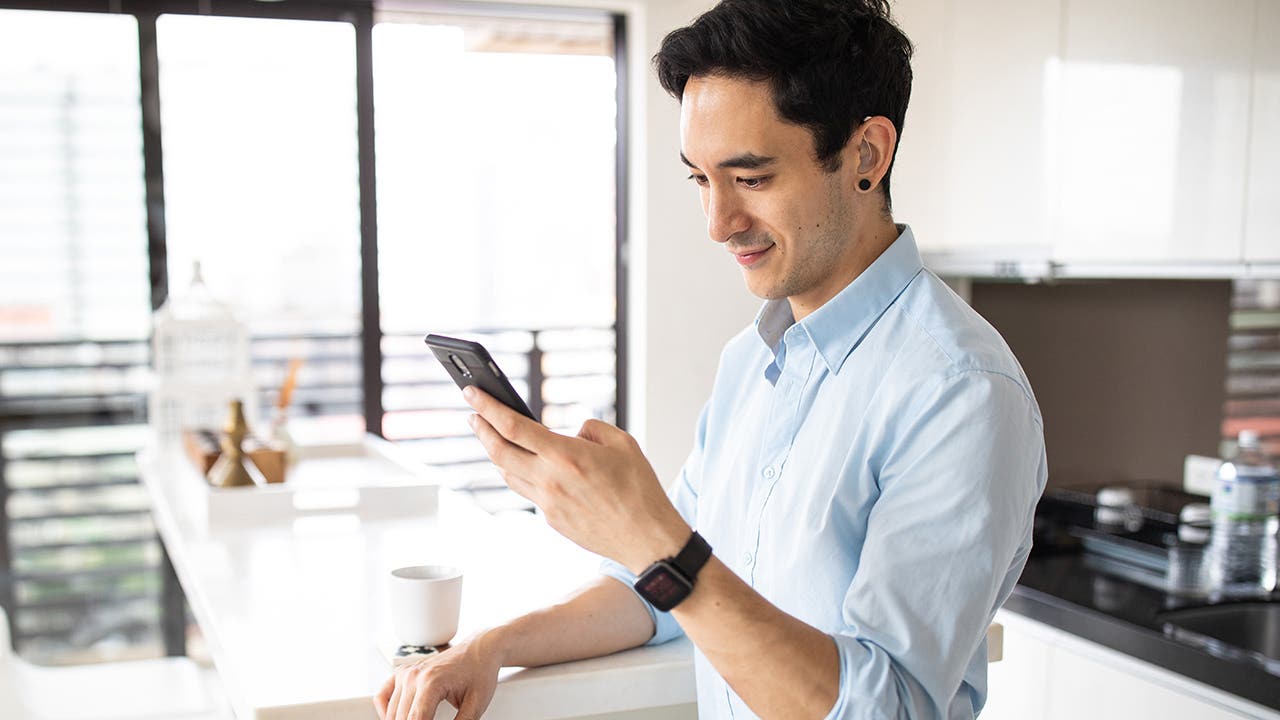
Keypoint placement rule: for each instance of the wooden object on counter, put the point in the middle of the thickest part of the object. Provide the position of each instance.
(270, 462)
(201, 446)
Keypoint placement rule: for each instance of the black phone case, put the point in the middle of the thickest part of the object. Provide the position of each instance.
(483, 372)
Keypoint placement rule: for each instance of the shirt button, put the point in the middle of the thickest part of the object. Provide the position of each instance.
(747, 559)
(769, 472)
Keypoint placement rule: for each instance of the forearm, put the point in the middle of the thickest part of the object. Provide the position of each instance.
(601, 618)
(778, 665)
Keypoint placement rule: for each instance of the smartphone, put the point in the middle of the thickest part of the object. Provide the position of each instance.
(468, 363)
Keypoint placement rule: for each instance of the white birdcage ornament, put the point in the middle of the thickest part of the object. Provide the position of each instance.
(202, 362)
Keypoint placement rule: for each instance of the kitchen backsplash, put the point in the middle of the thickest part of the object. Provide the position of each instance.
(1132, 375)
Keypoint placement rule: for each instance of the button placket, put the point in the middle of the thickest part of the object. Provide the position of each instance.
(780, 431)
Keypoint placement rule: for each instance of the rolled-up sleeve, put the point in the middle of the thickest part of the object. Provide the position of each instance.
(684, 495)
(946, 540)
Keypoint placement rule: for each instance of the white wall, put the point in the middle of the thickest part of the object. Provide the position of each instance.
(687, 294)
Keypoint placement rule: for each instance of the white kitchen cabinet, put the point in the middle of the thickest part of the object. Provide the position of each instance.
(1262, 208)
(974, 170)
(1048, 673)
(1153, 130)
(1087, 687)
(1018, 685)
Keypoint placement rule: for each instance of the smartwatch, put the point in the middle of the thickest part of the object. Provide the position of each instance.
(666, 583)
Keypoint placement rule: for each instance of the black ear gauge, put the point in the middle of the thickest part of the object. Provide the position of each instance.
(864, 184)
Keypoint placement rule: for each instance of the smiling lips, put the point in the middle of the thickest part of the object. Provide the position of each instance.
(751, 258)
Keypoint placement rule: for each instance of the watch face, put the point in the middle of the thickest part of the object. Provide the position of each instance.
(663, 586)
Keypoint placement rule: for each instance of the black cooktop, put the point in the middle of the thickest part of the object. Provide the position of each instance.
(1105, 582)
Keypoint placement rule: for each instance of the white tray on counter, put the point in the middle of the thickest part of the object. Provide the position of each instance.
(371, 480)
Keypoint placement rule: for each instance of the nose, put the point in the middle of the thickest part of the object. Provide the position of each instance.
(725, 215)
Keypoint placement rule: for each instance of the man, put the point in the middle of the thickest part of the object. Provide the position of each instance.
(868, 463)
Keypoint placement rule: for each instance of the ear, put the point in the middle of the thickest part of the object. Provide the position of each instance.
(875, 142)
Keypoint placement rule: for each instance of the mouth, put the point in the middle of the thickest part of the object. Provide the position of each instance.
(747, 259)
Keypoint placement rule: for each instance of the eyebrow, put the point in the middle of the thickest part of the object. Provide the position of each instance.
(745, 161)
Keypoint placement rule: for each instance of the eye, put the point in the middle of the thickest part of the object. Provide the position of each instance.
(701, 180)
(753, 183)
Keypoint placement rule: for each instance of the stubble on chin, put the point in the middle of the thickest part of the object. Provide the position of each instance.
(813, 255)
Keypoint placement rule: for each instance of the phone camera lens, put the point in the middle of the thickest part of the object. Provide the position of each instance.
(462, 367)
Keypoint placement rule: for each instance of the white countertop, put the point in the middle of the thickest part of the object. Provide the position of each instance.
(294, 611)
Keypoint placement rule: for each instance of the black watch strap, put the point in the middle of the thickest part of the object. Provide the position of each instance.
(692, 557)
(668, 582)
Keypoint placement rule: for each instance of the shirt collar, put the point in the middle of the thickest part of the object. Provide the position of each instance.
(839, 325)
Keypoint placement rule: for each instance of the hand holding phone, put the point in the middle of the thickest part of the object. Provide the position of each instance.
(469, 363)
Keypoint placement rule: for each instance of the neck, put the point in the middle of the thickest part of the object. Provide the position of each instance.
(868, 244)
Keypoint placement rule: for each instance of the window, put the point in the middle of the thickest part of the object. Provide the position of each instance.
(77, 549)
(72, 213)
(496, 166)
(261, 187)
(497, 216)
(1253, 356)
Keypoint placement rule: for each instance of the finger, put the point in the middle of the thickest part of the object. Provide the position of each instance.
(397, 695)
(424, 706)
(520, 486)
(472, 707)
(383, 697)
(528, 434)
(505, 454)
(410, 689)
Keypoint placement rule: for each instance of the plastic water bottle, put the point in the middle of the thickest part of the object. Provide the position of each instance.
(1245, 509)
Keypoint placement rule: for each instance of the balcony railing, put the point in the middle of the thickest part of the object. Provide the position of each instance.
(1253, 364)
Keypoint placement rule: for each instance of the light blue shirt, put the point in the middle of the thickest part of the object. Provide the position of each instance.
(871, 470)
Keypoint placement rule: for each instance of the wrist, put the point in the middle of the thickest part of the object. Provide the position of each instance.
(670, 581)
(663, 541)
(494, 644)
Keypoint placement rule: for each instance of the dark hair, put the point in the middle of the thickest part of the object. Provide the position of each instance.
(831, 63)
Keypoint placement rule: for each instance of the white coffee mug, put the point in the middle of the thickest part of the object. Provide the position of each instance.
(425, 602)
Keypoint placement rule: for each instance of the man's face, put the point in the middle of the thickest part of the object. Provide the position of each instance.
(787, 221)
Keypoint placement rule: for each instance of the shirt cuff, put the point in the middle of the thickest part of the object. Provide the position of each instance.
(665, 627)
(868, 688)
